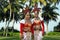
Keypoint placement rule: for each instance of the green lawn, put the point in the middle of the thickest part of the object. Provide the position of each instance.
(17, 38)
(9, 38)
(50, 36)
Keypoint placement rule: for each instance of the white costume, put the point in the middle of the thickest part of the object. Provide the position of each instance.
(38, 35)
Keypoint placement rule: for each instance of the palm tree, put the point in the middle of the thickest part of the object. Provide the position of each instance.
(14, 6)
(49, 14)
(15, 17)
(3, 13)
(8, 7)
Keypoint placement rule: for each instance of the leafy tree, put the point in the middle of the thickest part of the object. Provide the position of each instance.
(57, 28)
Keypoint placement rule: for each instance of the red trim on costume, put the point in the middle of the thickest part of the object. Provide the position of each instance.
(21, 28)
(42, 22)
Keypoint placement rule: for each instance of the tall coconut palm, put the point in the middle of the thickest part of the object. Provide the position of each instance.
(14, 9)
(49, 14)
(4, 14)
(12, 6)
(15, 17)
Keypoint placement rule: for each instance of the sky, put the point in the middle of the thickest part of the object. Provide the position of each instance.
(50, 25)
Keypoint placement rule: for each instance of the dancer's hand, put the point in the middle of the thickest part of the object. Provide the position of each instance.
(32, 36)
(21, 35)
(43, 34)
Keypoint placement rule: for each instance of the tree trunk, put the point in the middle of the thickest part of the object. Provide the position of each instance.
(13, 25)
(13, 28)
(4, 33)
(9, 19)
(47, 27)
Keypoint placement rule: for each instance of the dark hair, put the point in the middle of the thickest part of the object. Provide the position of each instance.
(25, 14)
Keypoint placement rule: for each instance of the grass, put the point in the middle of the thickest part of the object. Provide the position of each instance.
(17, 38)
(51, 38)
(46, 37)
(9, 38)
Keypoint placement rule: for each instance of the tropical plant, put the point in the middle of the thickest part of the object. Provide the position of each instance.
(57, 28)
(49, 13)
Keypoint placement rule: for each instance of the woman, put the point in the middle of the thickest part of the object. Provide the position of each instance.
(38, 24)
(26, 26)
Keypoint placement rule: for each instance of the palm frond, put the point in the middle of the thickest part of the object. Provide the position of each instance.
(49, 13)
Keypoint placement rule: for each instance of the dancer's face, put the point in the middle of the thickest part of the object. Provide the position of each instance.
(27, 16)
(36, 14)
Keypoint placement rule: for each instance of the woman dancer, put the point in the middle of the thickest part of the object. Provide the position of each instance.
(26, 26)
(38, 25)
